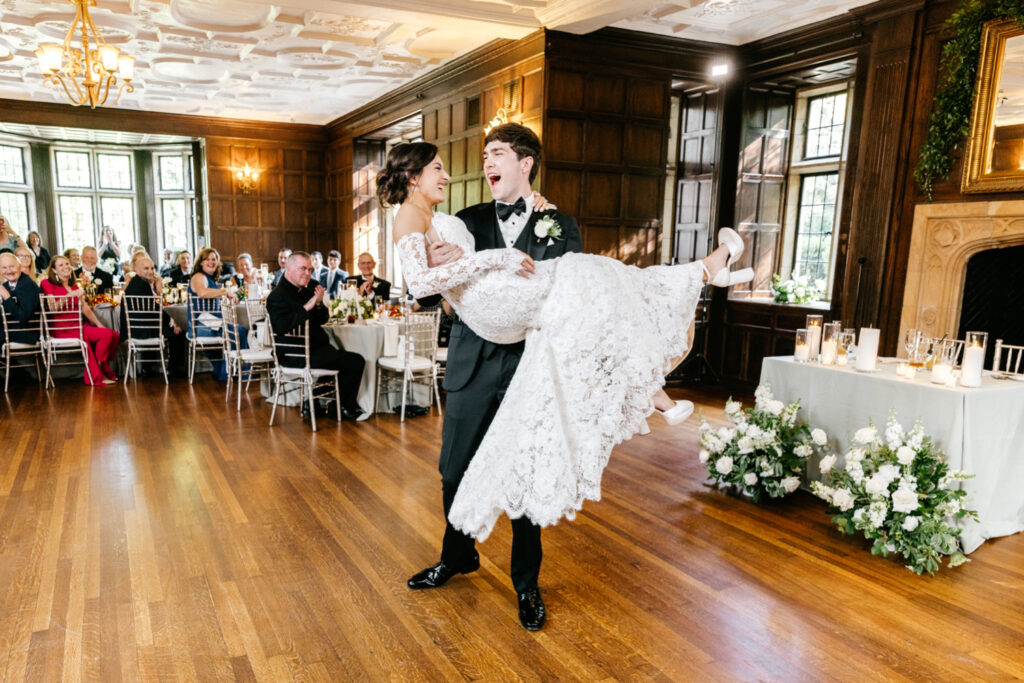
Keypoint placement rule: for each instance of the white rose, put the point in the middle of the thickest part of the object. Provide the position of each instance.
(905, 455)
(866, 435)
(911, 522)
(726, 434)
(703, 456)
(791, 484)
(775, 407)
(877, 485)
(749, 478)
(904, 500)
(733, 408)
(802, 451)
(842, 499)
(889, 472)
(746, 445)
(724, 465)
(819, 436)
(540, 228)
(827, 463)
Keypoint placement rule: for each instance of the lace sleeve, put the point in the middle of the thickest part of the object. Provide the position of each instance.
(424, 281)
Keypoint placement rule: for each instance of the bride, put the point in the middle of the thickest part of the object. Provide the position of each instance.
(599, 337)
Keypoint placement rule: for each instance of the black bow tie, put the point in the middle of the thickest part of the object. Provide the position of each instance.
(505, 211)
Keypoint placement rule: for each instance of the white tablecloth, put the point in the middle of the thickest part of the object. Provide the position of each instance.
(981, 430)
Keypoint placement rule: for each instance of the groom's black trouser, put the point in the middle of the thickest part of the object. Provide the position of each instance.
(468, 414)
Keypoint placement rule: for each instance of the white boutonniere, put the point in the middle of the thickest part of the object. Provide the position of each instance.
(547, 227)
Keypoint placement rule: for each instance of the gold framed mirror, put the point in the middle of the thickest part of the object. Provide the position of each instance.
(994, 158)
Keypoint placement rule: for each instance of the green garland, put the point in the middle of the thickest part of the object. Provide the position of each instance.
(958, 70)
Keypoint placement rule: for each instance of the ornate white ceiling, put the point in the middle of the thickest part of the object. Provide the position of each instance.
(310, 61)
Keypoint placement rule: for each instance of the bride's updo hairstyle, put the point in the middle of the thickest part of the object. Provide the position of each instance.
(405, 162)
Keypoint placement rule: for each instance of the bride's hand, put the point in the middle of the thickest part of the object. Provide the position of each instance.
(528, 266)
(540, 203)
(441, 253)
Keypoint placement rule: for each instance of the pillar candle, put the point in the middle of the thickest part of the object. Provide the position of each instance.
(867, 349)
(828, 351)
(801, 354)
(974, 358)
(940, 372)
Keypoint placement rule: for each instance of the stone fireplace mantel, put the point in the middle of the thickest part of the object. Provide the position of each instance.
(944, 238)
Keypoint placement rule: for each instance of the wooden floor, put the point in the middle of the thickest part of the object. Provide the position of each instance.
(153, 533)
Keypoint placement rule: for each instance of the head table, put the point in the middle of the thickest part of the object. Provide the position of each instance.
(980, 430)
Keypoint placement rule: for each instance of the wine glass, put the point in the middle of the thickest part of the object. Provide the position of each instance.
(911, 338)
(847, 339)
(926, 349)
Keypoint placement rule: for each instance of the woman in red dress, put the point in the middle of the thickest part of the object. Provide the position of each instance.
(102, 343)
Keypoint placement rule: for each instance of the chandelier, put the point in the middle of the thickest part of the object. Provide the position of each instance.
(96, 64)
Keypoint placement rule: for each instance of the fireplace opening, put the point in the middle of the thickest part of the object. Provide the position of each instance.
(993, 298)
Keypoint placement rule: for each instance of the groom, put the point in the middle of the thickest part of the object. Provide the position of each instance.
(478, 372)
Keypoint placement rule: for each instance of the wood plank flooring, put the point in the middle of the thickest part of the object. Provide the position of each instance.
(153, 533)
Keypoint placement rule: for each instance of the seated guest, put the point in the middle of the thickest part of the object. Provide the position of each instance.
(42, 256)
(148, 283)
(26, 261)
(282, 259)
(250, 279)
(182, 273)
(102, 343)
(204, 285)
(333, 280)
(74, 257)
(91, 271)
(367, 283)
(319, 269)
(19, 295)
(294, 302)
(166, 264)
(9, 239)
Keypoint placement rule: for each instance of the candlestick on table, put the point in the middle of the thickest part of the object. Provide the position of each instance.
(867, 349)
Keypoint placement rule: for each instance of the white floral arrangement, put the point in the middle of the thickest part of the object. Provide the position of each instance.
(170, 294)
(350, 306)
(797, 290)
(764, 452)
(110, 265)
(897, 489)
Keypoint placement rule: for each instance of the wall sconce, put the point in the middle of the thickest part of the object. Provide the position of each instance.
(499, 118)
(247, 178)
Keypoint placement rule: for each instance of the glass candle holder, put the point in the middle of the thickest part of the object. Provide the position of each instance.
(974, 358)
(847, 339)
(830, 343)
(801, 352)
(943, 362)
(814, 323)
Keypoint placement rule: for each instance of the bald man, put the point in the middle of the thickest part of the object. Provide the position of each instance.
(147, 282)
(19, 296)
(369, 284)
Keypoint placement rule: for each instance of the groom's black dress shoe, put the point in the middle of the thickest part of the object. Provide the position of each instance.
(438, 575)
(531, 610)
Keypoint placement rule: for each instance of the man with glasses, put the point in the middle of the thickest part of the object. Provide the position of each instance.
(294, 301)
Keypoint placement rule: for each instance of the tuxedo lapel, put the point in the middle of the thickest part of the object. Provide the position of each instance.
(528, 242)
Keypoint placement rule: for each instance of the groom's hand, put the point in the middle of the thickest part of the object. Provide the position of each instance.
(441, 253)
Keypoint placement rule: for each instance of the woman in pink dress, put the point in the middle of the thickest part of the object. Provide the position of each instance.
(102, 343)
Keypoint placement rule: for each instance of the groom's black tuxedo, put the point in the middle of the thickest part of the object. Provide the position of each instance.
(476, 376)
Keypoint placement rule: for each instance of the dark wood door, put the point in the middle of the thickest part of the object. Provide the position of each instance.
(696, 178)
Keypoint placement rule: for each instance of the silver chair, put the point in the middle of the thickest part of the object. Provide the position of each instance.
(416, 359)
(204, 315)
(62, 332)
(144, 322)
(1013, 363)
(242, 362)
(10, 350)
(293, 349)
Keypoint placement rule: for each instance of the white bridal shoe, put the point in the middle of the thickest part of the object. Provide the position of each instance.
(677, 413)
(725, 277)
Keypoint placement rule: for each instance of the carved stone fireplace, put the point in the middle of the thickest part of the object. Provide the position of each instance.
(944, 238)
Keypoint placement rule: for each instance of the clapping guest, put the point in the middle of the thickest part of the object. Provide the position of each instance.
(26, 261)
(109, 248)
(297, 300)
(90, 271)
(8, 238)
(204, 284)
(369, 284)
(250, 279)
(19, 296)
(42, 257)
(182, 273)
(282, 259)
(333, 280)
(102, 343)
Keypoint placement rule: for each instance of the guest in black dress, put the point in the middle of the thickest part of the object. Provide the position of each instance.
(41, 254)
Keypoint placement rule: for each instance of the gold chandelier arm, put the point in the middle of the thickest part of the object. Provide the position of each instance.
(77, 101)
(102, 99)
(125, 87)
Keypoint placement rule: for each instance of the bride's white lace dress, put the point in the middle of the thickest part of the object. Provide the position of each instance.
(599, 336)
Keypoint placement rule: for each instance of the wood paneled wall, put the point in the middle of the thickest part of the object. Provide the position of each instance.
(285, 210)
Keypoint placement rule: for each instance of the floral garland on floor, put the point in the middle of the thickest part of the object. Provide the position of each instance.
(766, 450)
(896, 489)
(958, 69)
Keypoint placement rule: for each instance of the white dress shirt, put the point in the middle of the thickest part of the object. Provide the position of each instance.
(511, 228)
